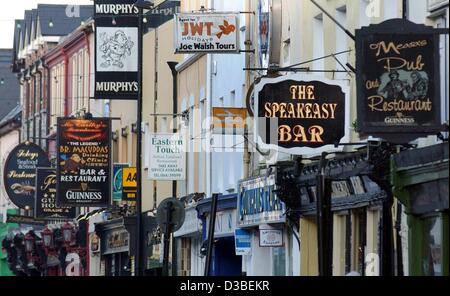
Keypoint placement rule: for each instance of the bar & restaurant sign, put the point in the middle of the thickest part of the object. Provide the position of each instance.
(84, 162)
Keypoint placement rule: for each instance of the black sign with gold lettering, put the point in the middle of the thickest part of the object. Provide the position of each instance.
(398, 80)
(310, 113)
(84, 162)
(46, 207)
(19, 175)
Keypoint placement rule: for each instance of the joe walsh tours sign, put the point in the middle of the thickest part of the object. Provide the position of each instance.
(299, 114)
(207, 32)
(116, 49)
(19, 175)
(84, 162)
(398, 80)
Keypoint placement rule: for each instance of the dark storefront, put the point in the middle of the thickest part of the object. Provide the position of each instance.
(420, 179)
(224, 261)
(116, 246)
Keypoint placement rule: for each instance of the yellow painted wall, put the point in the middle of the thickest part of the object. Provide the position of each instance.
(309, 264)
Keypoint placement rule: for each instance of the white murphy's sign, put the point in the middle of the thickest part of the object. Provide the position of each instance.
(207, 32)
(167, 157)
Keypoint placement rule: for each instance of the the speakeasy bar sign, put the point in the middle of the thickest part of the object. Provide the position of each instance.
(301, 113)
(116, 49)
(84, 162)
(19, 175)
(207, 32)
(398, 80)
(46, 207)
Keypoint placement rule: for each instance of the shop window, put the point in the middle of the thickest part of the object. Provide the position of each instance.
(279, 261)
(185, 257)
(432, 251)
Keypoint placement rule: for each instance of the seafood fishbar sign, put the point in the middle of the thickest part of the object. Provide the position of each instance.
(84, 162)
(116, 49)
(46, 207)
(398, 80)
(207, 32)
(301, 113)
(19, 175)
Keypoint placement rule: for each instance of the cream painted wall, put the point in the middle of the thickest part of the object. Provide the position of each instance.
(158, 50)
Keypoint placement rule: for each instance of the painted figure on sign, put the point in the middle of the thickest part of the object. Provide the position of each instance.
(419, 88)
(73, 164)
(395, 88)
(115, 49)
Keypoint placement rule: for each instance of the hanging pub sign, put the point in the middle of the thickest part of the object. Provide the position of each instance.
(117, 180)
(398, 80)
(298, 114)
(207, 33)
(19, 175)
(116, 49)
(167, 157)
(84, 162)
(46, 207)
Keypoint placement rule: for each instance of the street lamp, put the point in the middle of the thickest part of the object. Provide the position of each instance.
(141, 5)
(29, 242)
(47, 237)
(67, 231)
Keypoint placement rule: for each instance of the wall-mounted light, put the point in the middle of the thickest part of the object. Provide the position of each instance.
(144, 20)
(113, 22)
(2, 81)
(50, 24)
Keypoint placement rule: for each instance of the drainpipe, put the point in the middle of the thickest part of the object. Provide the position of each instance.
(39, 71)
(66, 82)
(47, 103)
(172, 66)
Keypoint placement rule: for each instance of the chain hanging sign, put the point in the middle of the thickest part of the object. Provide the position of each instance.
(298, 114)
(398, 81)
(84, 162)
(207, 33)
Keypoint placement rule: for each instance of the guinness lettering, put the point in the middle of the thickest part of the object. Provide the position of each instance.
(71, 195)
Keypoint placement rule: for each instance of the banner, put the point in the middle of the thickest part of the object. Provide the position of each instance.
(46, 207)
(167, 157)
(19, 174)
(84, 162)
(116, 49)
(398, 80)
(303, 111)
(207, 33)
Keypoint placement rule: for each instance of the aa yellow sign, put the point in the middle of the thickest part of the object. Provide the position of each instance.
(129, 182)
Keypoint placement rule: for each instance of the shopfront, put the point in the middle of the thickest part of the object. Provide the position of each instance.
(116, 246)
(262, 214)
(189, 241)
(224, 261)
(420, 179)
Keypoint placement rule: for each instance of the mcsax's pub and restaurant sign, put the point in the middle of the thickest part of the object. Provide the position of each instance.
(398, 80)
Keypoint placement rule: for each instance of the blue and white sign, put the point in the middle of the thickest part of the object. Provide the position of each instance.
(258, 203)
(243, 242)
(117, 181)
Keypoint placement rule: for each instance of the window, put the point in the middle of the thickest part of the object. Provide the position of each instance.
(432, 250)
(185, 257)
(318, 44)
(279, 261)
(341, 42)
